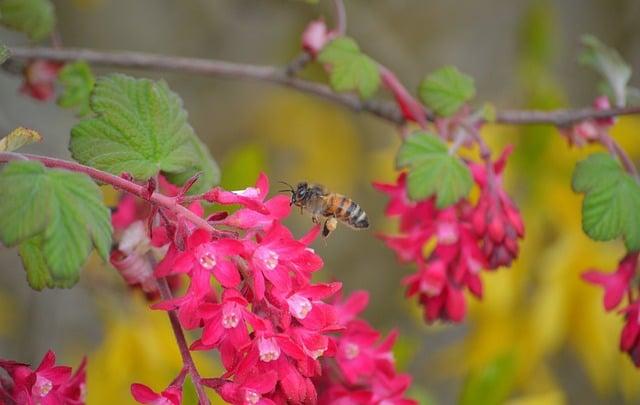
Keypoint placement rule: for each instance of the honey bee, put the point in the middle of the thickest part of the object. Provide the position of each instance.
(319, 202)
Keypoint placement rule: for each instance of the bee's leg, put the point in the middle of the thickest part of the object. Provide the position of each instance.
(315, 219)
(330, 225)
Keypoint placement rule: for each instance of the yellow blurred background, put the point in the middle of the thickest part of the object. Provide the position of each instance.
(539, 336)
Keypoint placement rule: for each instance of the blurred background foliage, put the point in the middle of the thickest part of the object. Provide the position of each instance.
(539, 336)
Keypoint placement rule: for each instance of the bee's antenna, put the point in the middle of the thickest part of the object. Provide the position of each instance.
(289, 190)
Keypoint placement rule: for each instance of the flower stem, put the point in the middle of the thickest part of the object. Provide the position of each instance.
(118, 183)
(189, 365)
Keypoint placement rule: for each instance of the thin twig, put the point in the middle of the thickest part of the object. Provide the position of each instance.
(615, 150)
(341, 17)
(210, 67)
(196, 379)
(118, 183)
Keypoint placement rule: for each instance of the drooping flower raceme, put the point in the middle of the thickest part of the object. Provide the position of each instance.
(250, 297)
(450, 246)
(618, 287)
(48, 384)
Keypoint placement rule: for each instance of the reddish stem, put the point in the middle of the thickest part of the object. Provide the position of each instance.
(617, 151)
(118, 183)
(408, 104)
(341, 17)
(189, 365)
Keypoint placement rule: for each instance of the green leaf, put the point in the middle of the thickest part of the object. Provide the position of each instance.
(140, 128)
(608, 62)
(18, 138)
(78, 81)
(33, 260)
(4, 53)
(206, 166)
(446, 90)
(611, 206)
(350, 68)
(490, 385)
(35, 18)
(433, 170)
(56, 216)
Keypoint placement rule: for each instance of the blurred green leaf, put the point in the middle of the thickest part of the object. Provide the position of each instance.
(608, 62)
(54, 214)
(4, 53)
(611, 206)
(140, 128)
(78, 81)
(489, 112)
(433, 170)
(205, 165)
(446, 90)
(35, 18)
(350, 68)
(18, 138)
(490, 385)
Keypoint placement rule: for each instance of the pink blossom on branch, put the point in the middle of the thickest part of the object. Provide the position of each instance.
(47, 385)
(617, 286)
(251, 298)
(451, 246)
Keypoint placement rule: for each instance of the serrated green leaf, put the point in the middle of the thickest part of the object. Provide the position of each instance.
(77, 81)
(608, 62)
(432, 170)
(4, 53)
(140, 128)
(350, 68)
(55, 214)
(33, 260)
(446, 90)
(35, 18)
(611, 206)
(206, 166)
(18, 138)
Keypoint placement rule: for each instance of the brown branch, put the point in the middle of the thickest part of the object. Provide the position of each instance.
(216, 68)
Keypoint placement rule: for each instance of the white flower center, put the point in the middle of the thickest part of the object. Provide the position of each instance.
(42, 386)
(207, 260)
(230, 318)
(299, 306)
(351, 351)
(251, 397)
(316, 353)
(268, 257)
(269, 350)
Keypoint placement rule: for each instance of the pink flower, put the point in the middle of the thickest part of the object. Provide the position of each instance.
(250, 389)
(250, 197)
(617, 284)
(276, 256)
(496, 219)
(47, 385)
(145, 395)
(315, 36)
(630, 337)
(39, 79)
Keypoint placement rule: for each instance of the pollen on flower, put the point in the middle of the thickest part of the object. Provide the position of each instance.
(230, 319)
(269, 350)
(315, 354)
(268, 257)
(251, 397)
(207, 260)
(299, 306)
(42, 387)
(351, 351)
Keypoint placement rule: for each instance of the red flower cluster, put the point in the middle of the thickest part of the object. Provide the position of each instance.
(468, 238)
(47, 385)
(616, 286)
(272, 326)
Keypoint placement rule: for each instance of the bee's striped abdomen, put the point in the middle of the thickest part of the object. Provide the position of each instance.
(349, 212)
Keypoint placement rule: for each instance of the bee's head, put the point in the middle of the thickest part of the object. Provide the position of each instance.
(298, 194)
